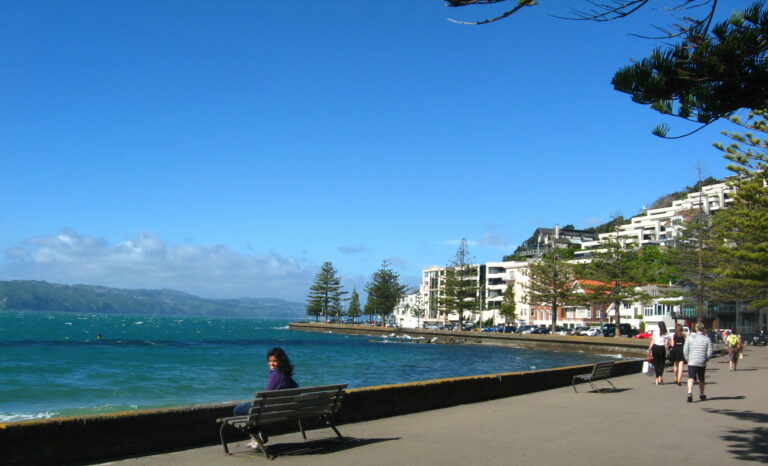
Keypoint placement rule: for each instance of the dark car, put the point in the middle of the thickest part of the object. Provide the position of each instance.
(609, 330)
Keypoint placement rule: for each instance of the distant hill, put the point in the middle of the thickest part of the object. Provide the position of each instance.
(30, 295)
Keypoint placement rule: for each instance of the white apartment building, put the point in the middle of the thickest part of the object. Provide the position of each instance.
(492, 279)
(657, 226)
(500, 276)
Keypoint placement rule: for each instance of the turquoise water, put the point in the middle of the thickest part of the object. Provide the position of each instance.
(54, 364)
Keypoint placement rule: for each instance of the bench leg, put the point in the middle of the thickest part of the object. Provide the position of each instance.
(301, 428)
(330, 424)
(573, 384)
(221, 435)
(260, 441)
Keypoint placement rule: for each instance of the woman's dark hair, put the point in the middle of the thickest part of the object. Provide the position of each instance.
(679, 331)
(283, 363)
(662, 328)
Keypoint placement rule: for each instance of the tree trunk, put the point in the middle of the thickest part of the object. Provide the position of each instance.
(617, 307)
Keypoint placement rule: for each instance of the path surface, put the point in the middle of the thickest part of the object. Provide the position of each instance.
(639, 424)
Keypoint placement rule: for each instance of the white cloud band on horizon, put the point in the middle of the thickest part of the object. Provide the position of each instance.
(146, 261)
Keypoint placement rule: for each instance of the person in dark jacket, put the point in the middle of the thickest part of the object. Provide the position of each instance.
(280, 377)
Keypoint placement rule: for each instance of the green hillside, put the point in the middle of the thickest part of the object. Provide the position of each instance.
(43, 296)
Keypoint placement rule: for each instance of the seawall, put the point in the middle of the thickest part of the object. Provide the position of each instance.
(628, 347)
(118, 435)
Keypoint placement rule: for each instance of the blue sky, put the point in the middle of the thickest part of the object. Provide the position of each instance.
(229, 148)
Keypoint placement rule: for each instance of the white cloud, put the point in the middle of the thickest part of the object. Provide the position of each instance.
(352, 249)
(494, 240)
(146, 261)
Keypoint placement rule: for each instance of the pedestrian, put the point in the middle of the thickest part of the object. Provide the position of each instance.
(658, 351)
(676, 353)
(734, 346)
(697, 351)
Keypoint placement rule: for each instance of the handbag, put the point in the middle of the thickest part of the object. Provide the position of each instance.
(648, 368)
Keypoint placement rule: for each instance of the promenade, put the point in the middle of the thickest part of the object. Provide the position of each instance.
(640, 423)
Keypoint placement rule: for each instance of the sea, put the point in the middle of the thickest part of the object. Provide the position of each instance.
(68, 364)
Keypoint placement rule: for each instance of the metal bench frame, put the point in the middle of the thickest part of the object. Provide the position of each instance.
(278, 406)
(601, 371)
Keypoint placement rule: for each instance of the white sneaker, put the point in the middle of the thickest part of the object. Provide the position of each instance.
(252, 444)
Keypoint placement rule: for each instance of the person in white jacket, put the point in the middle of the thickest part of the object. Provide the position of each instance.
(698, 350)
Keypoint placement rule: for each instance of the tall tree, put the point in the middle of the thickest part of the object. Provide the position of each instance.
(324, 297)
(711, 72)
(508, 308)
(460, 286)
(550, 283)
(742, 228)
(616, 268)
(353, 310)
(384, 290)
(418, 310)
(693, 255)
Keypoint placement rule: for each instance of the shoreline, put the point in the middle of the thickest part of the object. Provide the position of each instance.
(624, 347)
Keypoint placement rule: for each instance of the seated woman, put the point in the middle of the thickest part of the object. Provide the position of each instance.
(280, 377)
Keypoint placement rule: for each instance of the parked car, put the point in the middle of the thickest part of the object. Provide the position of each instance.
(490, 329)
(626, 330)
(644, 335)
(754, 339)
(594, 332)
(526, 328)
(580, 330)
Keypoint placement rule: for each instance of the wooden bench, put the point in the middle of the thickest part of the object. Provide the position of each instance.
(278, 406)
(601, 371)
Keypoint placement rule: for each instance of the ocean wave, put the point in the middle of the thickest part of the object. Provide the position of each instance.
(281, 328)
(24, 417)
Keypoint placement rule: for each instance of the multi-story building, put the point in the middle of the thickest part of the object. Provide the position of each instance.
(492, 280)
(660, 226)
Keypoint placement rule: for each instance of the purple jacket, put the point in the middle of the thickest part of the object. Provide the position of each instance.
(278, 380)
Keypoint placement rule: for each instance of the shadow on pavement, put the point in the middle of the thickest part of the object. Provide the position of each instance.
(315, 447)
(750, 444)
(618, 390)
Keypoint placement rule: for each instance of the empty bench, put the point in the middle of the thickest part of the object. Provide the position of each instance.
(279, 406)
(601, 371)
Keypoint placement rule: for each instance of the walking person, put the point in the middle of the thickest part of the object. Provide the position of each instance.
(697, 351)
(676, 353)
(658, 351)
(734, 345)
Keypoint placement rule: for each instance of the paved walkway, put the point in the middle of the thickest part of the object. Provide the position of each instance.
(639, 424)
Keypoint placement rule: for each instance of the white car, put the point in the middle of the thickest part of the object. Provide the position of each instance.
(594, 332)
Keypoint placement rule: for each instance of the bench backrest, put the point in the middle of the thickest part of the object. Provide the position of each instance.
(602, 370)
(295, 403)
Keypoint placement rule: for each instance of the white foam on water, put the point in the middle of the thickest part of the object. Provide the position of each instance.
(24, 417)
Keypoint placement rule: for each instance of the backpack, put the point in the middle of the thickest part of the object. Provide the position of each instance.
(733, 341)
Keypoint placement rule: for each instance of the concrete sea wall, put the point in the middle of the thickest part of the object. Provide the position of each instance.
(118, 435)
(627, 347)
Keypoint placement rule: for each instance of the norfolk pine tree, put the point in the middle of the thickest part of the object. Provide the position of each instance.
(618, 268)
(384, 291)
(353, 310)
(508, 308)
(324, 297)
(550, 283)
(460, 291)
(712, 71)
(742, 228)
